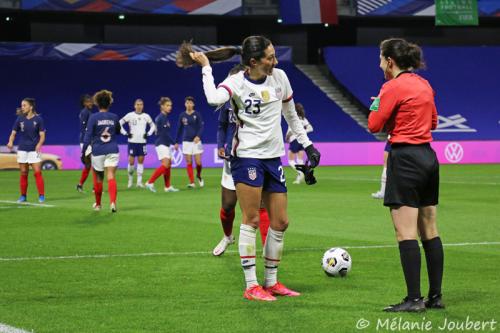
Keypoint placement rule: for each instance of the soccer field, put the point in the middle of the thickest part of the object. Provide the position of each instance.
(149, 267)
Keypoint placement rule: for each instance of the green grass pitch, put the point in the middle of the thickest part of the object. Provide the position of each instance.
(149, 267)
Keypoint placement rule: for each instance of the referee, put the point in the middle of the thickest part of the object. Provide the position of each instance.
(405, 107)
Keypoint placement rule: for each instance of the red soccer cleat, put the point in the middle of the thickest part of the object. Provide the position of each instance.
(257, 293)
(280, 290)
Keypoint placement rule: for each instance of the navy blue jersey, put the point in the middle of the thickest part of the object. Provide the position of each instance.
(28, 132)
(163, 136)
(102, 130)
(226, 128)
(191, 125)
(84, 118)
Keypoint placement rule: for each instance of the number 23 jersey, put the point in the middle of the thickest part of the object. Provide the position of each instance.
(102, 130)
(258, 109)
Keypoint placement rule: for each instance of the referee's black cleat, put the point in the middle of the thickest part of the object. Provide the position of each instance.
(434, 302)
(407, 305)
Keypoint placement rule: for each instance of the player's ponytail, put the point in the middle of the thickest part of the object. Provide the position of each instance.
(103, 99)
(407, 56)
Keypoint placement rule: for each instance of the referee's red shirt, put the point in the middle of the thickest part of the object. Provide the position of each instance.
(406, 108)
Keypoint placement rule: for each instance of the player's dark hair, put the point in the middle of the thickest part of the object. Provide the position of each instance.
(138, 100)
(31, 102)
(85, 98)
(252, 47)
(300, 110)
(103, 99)
(405, 55)
(189, 98)
(236, 69)
(164, 100)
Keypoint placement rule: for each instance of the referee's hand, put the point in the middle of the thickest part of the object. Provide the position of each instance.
(313, 155)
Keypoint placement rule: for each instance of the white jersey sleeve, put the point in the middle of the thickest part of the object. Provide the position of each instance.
(295, 124)
(215, 96)
(152, 126)
(124, 120)
(307, 125)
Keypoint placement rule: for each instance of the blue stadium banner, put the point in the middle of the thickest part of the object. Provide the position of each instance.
(456, 12)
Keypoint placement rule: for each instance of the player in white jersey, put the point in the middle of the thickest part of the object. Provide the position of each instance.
(137, 139)
(261, 94)
(295, 149)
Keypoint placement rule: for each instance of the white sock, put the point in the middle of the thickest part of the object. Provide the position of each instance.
(272, 256)
(292, 164)
(246, 247)
(130, 170)
(140, 170)
(383, 180)
(300, 161)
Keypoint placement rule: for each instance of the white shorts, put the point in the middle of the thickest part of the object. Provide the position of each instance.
(227, 178)
(191, 148)
(163, 152)
(30, 157)
(88, 151)
(104, 161)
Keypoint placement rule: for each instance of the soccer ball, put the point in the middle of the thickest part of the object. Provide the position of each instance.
(336, 262)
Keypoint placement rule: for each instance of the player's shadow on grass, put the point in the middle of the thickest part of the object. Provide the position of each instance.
(97, 219)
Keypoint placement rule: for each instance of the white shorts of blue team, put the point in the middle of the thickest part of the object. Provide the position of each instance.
(105, 161)
(227, 177)
(88, 151)
(163, 152)
(30, 157)
(191, 148)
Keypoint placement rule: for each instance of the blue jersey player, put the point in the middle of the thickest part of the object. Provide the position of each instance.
(190, 128)
(84, 116)
(30, 128)
(102, 130)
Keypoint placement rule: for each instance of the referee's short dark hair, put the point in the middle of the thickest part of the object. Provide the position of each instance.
(189, 98)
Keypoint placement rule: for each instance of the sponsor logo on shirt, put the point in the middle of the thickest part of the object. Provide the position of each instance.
(454, 123)
(454, 152)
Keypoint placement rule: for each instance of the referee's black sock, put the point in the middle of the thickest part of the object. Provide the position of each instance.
(409, 252)
(434, 256)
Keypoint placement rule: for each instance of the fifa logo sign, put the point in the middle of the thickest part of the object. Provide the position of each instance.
(454, 152)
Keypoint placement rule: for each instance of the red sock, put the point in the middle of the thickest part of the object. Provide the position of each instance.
(264, 224)
(198, 171)
(189, 168)
(227, 218)
(94, 177)
(39, 183)
(158, 172)
(85, 174)
(98, 192)
(166, 177)
(23, 183)
(112, 190)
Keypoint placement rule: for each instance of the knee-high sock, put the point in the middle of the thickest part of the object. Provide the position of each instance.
(189, 169)
(198, 171)
(112, 190)
(410, 260)
(434, 256)
(227, 219)
(292, 164)
(158, 172)
(166, 177)
(85, 174)
(272, 256)
(383, 180)
(23, 184)
(130, 170)
(264, 224)
(39, 183)
(246, 247)
(140, 171)
(94, 178)
(98, 192)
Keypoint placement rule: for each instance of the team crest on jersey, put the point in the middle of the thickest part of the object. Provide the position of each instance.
(265, 95)
(252, 173)
(278, 92)
(184, 121)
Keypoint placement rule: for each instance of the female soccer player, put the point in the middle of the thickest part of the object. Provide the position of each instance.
(84, 115)
(137, 138)
(405, 106)
(383, 178)
(101, 132)
(190, 127)
(295, 150)
(225, 135)
(31, 131)
(162, 143)
(261, 94)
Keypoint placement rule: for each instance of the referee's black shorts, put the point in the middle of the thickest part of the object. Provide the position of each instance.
(412, 176)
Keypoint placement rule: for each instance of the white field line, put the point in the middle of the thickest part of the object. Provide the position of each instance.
(9, 329)
(26, 203)
(181, 254)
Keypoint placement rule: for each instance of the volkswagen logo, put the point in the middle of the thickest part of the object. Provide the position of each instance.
(176, 156)
(454, 152)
